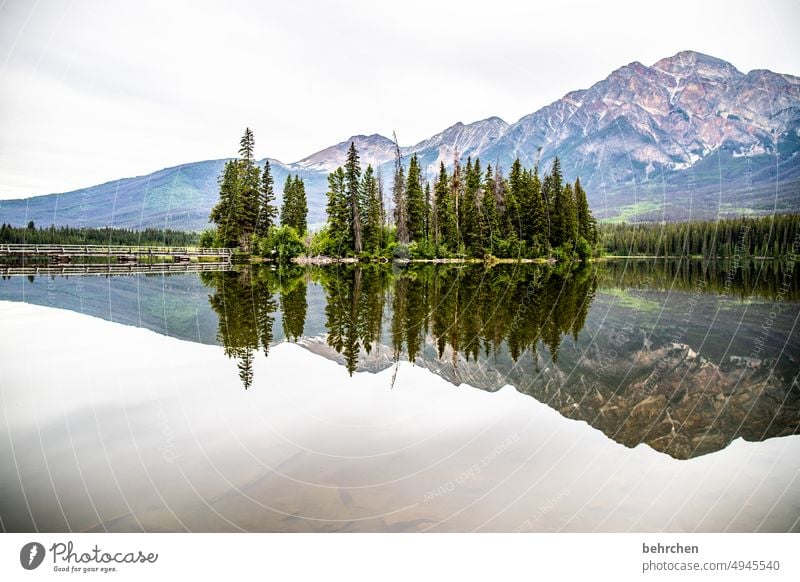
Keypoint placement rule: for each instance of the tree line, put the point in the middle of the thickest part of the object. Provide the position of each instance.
(70, 235)
(469, 312)
(467, 212)
(766, 236)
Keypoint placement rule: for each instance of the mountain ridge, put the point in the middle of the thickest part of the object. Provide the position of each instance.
(690, 136)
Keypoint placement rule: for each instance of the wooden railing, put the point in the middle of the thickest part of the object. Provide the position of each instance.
(110, 250)
(113, 269)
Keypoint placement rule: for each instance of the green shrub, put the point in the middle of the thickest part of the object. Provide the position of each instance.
(583, 248)
(322, 244)
(422, 250)
(281, 244)
(208, 239)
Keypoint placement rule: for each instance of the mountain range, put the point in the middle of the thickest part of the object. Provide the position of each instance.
(688, 137)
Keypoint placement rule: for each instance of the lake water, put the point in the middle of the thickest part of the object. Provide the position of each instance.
(619, 396)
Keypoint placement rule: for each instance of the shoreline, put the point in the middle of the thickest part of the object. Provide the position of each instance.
(495, 261)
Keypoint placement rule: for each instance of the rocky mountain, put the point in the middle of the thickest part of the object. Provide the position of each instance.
(372, 149)
(473, 140)
(672, 135)
(688, 137)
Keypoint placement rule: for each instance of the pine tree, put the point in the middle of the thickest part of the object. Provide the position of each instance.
(428, 211)
(338, 212)
(352, 175)
(301, 208)
(587, 228)
(537, 216)
(295, 207)
(237, 211)
(382, 210)
(370, 202)
(225, 212)
(553, 193)
(489, 221)
(446, 230)
(570, 216)
(399, 197)
(470, 220)
(415, 202)
(247, 146)
(287, 207)
(249, 195)
(456, 195)
(267, 211)
(514, 199)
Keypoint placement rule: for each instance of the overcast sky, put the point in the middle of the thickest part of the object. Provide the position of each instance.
(91, 91)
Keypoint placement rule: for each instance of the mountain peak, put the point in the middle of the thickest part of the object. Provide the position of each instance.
(373, 149)
(632, 137)
(689, 62)
(493, 120)
(487, 124)
(465, 139)
(372, 138)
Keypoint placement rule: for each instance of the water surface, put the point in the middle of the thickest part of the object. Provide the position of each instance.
(621, 396)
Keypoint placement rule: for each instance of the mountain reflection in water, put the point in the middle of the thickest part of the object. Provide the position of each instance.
(683, 356)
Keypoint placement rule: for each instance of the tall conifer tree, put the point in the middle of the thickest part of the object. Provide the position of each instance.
(352, 176)
(339, 212)
(370, 202)
(415, 202)
(267, 211)
(444, 212)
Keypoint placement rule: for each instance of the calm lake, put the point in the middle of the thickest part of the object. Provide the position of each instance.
(619, 396)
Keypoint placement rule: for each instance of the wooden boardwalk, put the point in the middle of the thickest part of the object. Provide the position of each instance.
(122, 253)
(112, 269)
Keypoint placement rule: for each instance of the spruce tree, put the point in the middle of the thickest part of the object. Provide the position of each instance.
(415, 201)
(489, 221)
(382, 203)
(225, 212)
(287, 206)
(301, 206)
(470, 220)
(570, 216)
(456, 195)
(586, 224)
(267, 211)
(338, 212)
(352, 175)
(399, 197)
(236, 213)
(537, 216)
(370, 202)
(249, 195)
(428, 211)
(515, 199)
(553, 192)
(446, 234)
(295, 208)
(247, 146)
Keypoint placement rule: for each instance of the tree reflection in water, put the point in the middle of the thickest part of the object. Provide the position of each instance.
(467, 309)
